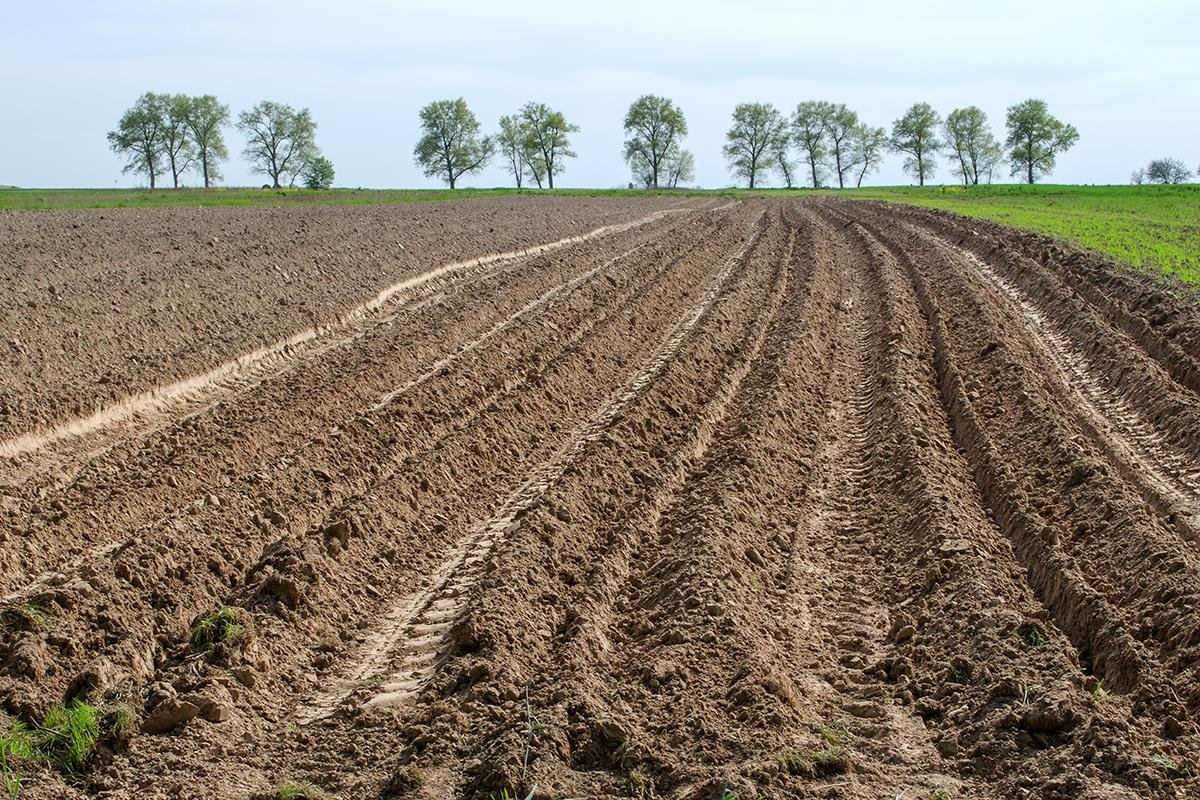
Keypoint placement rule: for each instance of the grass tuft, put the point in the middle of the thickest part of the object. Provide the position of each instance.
(301, 790)
(223, 625)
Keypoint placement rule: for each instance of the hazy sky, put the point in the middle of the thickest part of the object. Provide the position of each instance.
(1127, 74)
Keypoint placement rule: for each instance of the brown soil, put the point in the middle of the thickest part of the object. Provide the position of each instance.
(701, 499)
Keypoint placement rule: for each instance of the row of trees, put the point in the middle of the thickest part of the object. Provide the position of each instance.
(178, 133)
(830, 140)
(821, 140)
(534, 143)
(1162, 170)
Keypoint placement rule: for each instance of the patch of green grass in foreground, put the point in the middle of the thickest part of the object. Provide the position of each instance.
(63, 199)
(1156, 228)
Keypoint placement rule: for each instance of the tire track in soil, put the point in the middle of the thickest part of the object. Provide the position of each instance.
(1169, 480)
(364, 575)
(1100, 629)
(293, 455)
(609, 317)
(418, 625)
(142, 413)
(694, 391)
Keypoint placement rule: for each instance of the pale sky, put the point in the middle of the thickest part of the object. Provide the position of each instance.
(1126, 74)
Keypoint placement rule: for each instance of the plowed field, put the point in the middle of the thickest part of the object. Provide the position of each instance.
(640, 498)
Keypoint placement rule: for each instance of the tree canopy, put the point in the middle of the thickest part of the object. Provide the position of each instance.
(972, 146)
(546, 139)
(140, 136)
(1035, 138)
(654, 128)
(281, 141)
(451, 145)
(915, 134)
(757, 129)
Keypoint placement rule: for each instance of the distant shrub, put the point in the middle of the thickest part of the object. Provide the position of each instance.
(318, 174)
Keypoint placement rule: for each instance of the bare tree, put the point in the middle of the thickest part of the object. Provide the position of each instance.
(1167, 170)
(757, 129)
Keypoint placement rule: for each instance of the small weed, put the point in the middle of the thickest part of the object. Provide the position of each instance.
(223, 625)
(833, 734)
(940, 794)
(821, 763)
(1027, 691)
(1172, 767)
(505, 794)
(301, 790)
(38, 614)
(15, 743)
(954, 674)
(1033, 636)
(1099, 693)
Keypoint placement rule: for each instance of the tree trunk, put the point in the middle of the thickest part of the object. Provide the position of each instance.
(1030, 170)
(450, 175)
(550, 178)
(837, 156)
(812, 163)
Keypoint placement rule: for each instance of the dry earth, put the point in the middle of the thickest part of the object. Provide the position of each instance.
(652, 498)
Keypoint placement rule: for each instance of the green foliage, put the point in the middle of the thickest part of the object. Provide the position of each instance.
(839, 124)
(513, 143)
(1035, 138)
(451, 145)
(757, 130)
(67, 735)
(1151, 227)
(867, 147)
(1171, 766)
(545, 140)
(318, 173)
(205, 119)
(971, 143)
(140, 136)
(916, 135)
(808, 132)
(15, 743)
(654, 129)
(301, 790)
(279, 140)
(222, 625)
(64, 739)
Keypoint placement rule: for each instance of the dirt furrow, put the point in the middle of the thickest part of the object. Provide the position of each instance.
(236, 531)
(407, 522)
(419, 623)
(1165, 324)
(178, 473)
(140, 414)
(778, 498)
(1062, 581)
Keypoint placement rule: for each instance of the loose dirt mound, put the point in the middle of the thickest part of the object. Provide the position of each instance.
(656, 499)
